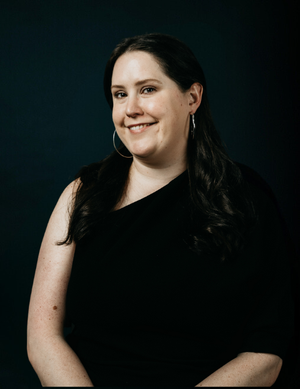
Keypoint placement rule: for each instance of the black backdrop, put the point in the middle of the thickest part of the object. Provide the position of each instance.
(54, 118)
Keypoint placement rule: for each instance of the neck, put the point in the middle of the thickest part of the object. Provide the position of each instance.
(145, 179)
(156, 175)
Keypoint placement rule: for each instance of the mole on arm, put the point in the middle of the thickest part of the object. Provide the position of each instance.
(55, 307)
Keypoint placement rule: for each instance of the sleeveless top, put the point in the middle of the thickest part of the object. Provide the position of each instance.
(146, 310)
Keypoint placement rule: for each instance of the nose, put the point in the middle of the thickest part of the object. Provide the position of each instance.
(133, 106)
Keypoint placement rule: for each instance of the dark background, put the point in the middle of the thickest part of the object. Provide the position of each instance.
(54, 117)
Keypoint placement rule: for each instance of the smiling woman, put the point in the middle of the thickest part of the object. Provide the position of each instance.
(170, 263)
(143, 97)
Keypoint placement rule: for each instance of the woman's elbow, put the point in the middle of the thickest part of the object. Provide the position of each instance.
(34, 348)
(39, 343)
(270, 368)
(30, 353)
(275, 369)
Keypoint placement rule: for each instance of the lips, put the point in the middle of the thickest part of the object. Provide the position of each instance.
(139, 127)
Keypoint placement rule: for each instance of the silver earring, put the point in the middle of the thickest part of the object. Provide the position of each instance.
(117, 149)
(193, 126)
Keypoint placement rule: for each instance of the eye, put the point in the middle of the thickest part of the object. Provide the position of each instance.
(148, 90)
(119, 95)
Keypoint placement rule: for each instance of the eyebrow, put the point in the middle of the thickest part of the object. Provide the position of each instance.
(138, 83)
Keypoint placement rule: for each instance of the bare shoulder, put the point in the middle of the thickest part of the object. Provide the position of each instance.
(47, 303)
(64, 204)
(50, 251)
(59, 220)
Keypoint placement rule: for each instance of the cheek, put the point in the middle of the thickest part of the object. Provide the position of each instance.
(156, 109)
(116, 117)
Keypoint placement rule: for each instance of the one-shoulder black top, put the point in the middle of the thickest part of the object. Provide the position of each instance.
(147, 310)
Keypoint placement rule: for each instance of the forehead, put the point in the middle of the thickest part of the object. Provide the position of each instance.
(135, 65)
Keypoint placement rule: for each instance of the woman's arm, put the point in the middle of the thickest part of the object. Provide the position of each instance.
(247, 369)
(54, 361)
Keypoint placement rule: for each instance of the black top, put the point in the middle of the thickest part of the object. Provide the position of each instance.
(148, 311)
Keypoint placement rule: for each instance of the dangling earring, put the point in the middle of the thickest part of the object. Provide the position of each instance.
(117, 149)
(193, 126)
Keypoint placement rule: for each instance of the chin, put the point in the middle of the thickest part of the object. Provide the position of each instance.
(142, 151)
(142, 154)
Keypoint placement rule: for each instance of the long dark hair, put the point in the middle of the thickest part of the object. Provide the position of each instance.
(217, 190)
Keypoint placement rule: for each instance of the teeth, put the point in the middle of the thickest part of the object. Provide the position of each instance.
(138, 127)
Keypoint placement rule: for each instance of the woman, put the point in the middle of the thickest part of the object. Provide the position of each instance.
(168, 263)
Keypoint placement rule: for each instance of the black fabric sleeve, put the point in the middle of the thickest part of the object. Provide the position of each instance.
(270, 323)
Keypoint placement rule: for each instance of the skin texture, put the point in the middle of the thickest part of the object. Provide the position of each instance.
(159, 155)
(247, 369)
(54, 361)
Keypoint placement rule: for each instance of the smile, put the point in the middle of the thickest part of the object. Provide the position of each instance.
(139, 127)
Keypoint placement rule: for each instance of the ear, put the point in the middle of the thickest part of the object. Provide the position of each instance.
(195, 97)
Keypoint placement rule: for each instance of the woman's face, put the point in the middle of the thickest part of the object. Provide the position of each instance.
(150, 113)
